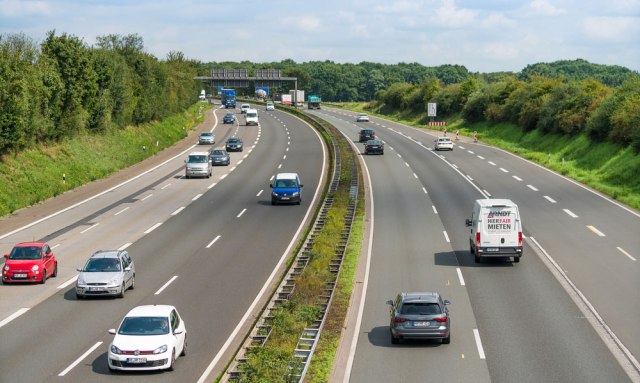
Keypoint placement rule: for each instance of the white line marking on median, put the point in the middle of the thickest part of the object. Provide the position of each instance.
(123, 210)
(239, 162)
(549, 199)
(166, 285)
(480, 157)
(406, 164)
(196, 197)
(570, 213)
(598, 232)
(178, 210)
(165, 186)
(446, 237)
(279, 166)
(469, 177)
(14, 316)
(504, 170)
(260, 192)
(224, 175)
(89, 351)
(517, 178)
(469, 151)
(476, 335)
(532, 187)
(212, 185)
(89, 228)
(434, 209)
(424, 190)
(625, 253)
(123, 247)
(415, 176)
(214, 241)
(492, 163)
(460, 276)
(462, 147)
(67, 283)
(486, 192)
(241, 213)
(152, 228)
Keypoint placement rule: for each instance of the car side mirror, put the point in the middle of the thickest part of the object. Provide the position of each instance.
(467, 222)
(128, 268)
(6, 256)
(112, 331)
(446, 302)
(79, 269)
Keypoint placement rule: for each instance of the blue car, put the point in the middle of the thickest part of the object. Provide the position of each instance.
(285, 188)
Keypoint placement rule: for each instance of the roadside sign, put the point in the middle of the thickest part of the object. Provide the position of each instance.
(431, 109)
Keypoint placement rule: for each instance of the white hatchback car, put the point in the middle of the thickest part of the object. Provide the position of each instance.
(270, 106)
(149, 338)
(443, 143)
(244, 108)
(362, 117)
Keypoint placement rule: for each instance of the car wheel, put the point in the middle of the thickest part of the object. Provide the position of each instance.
(133, 282)
(447, 340)
(477, 258)
(55, 271)
(516, 259)
(394, 340)
(172, 362)
(184, 346)
(44, 277)
(121, 295)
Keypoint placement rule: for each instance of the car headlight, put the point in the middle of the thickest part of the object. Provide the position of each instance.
(115, 350)
(35, 268)
(160, 349)
(6, 268)
(274, 194)
(295, 194)
(80, 281)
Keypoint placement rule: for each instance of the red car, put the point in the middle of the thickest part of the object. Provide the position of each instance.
(29, 262)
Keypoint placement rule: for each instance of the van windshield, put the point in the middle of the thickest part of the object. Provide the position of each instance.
(197, 159)
(286, 183)
(252, 114)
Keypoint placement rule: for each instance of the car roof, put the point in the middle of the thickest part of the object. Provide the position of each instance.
(420, 297)
(106, 254)
(150, 310)
(198, 154)
(29, 244)
(286, 176)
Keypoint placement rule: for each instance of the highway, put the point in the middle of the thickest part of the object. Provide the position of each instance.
(207, 246)
(525, 322)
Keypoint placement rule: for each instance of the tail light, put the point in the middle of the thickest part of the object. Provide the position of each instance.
(442, 320)
(400, 320)
(519, 238)
(478, 238)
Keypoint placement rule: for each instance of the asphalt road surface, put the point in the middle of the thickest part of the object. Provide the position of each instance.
(206, 246)
(510, 322)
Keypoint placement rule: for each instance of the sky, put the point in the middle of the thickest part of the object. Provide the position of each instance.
(484, 36)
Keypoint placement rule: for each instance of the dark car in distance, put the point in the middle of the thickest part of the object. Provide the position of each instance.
(374, 147)
(220, 157)
(229, 118)
(234, 144)
(366, 135)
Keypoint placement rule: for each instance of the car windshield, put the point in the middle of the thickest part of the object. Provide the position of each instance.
(144, 326)
(285, 183)
(102, 265)
(233, 140)
(206, 134)
(252, 114)
(420, 308)
(30, 252)
(218, 153)
(229, 115)
(197, 159)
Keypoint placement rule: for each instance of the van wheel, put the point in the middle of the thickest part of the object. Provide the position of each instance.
(516, 259)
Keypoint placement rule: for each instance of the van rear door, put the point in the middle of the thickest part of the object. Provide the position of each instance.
(499, 227)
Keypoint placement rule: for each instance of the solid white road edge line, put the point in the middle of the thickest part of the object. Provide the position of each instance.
(625, 253)
(626, 359)
(165, 285)
(460, 276)
(434, 209)
(213, 241)
(196, 197)
(247, 314)
(152, 228)
(125, 246)
(476, 335)
(14, 316)
(67, 283)
(77, 361)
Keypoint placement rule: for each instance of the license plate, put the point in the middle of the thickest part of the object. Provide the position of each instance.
(136, 360)
(284, 198)
(492, 249)
(95, 289)
(19, 275)
(421, 324)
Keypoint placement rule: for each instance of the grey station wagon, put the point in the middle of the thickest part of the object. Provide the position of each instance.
(106, 273)
(419, 315)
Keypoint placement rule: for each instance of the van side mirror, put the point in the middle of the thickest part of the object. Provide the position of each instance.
(446, 302)
(301, 185)
(112, 331)
(390, 302)
(467, 222)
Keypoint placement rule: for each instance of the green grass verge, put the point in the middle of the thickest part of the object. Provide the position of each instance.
(37, 174)
(603, 166)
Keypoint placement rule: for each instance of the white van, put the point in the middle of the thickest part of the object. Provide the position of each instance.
(252, 117)
(496, 229)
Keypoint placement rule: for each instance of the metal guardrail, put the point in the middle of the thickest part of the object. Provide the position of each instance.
(307, 342)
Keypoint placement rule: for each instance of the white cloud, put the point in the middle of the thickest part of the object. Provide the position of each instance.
(18, 8)
(449, 15)
(613, 29)
(544, 7)
(308, 23)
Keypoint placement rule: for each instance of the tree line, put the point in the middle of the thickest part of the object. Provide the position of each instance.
(63, 87)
